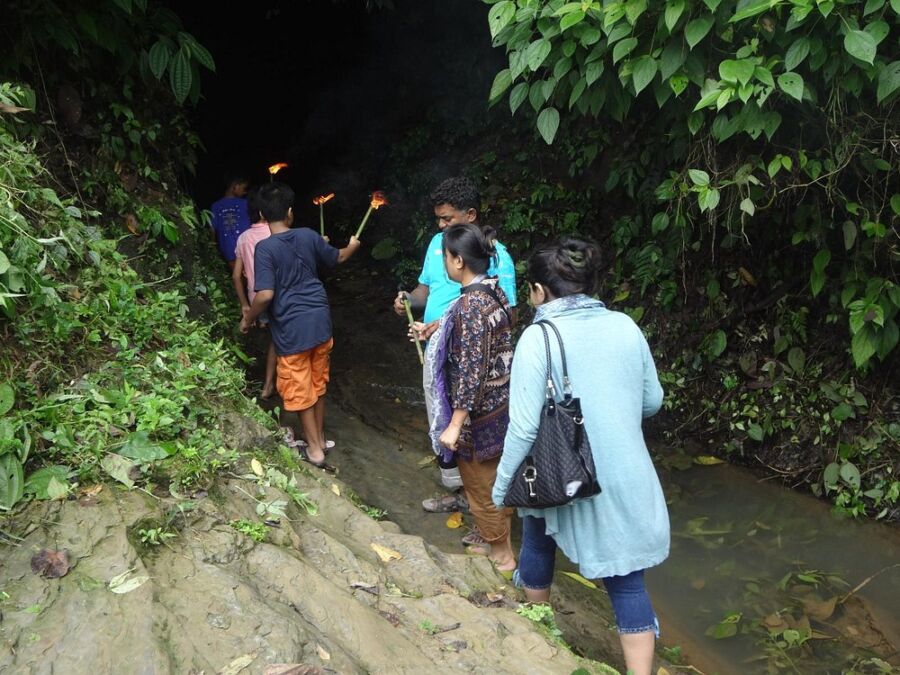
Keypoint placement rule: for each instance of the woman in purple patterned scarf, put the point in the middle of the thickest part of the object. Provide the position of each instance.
(470, 354)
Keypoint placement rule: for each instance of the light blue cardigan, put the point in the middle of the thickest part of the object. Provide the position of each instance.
(626, 527)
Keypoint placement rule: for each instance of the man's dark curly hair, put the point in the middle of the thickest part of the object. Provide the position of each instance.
(459, 192)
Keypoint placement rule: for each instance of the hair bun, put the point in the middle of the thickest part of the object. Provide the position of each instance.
(566, 267)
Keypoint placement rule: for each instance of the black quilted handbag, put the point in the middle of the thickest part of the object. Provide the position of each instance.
(559, 467)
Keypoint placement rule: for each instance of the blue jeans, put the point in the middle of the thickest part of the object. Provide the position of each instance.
(628, 595)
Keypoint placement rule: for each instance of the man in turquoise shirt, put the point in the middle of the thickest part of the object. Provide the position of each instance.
(456, 200)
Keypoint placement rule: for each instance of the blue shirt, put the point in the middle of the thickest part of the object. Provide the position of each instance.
(229, 219)
(442, 291)
(290, 263)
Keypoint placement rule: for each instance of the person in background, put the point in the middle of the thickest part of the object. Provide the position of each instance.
(620, 532)
(242, 276)
(469, 356)
(230, 217)
(287, 270)
(454, 201)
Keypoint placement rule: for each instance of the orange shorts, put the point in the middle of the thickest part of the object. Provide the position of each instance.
(303, 377)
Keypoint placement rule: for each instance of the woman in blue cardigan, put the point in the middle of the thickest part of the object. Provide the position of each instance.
(617, 534)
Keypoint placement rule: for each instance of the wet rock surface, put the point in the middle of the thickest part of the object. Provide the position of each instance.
(315, 593)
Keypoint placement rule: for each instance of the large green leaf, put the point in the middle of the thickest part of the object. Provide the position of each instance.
(4, 263)
(537, 53)
(633, 10)
(736, 71)
(674, 10)
(201, 54)
(180, 75)
(751, 9)
(863, 346)
(500, 16)
(859, 44)
(890, 335)
(715, 344)
(570, 20)
(672, 58)
(159, 58)
(796, 53)
(593, 72)
(536, 95)
(623, 49)
(888, 80)
(697, 29)
(577, 91)
(699, 177)
(517, 96)
(878, 30)
(548, 124)
(12, 481)
(643, 72)
(38, 483)
(7, 398)
(791, 84)
(501, 83)
(141, 449)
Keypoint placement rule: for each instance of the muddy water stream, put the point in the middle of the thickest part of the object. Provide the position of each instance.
(754, 569)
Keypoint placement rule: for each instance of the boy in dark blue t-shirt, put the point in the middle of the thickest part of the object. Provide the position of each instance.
(287, 282)
(230, 218)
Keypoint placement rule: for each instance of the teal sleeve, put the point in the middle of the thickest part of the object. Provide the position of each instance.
(506, 273)
(527, 389)
(425, 277)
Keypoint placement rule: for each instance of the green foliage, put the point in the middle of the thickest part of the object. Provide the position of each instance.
(103, 372)
(542, 615)
(255, 530)
(155, 536)
(703, 92)
(124, 39)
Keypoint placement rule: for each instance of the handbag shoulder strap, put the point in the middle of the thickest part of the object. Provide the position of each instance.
(567, 383)
(550, 392)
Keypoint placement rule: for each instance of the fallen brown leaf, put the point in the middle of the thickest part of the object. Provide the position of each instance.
(50, 564)
(386, 554)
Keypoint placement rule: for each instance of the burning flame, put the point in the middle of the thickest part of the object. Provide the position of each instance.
(378, 200)
(321, 199)
(275, 168)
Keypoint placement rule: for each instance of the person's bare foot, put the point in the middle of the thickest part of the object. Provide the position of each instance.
(479, 549)
(503, 564)
(268, 391)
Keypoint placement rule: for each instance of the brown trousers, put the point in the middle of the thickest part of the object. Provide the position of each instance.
(478, 481)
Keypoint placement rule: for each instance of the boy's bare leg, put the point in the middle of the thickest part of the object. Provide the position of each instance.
(320, 418)
(269, 383)
(310, 424)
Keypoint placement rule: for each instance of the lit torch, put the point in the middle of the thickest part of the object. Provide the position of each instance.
(378, 200)
(320, 202)
(275, 168)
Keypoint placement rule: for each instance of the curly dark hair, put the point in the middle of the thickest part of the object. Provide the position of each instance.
(459, 192)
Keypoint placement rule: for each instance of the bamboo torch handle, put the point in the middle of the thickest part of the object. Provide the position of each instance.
(363, 223)
(409, 316)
